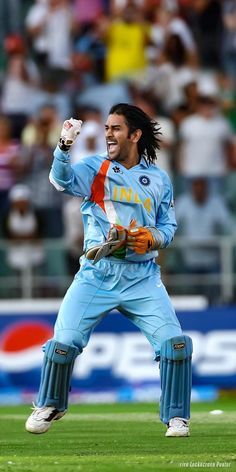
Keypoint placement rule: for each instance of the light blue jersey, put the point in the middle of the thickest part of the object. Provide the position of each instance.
(116, 195)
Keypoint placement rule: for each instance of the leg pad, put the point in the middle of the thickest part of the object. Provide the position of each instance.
(176, 378)
(56, 374)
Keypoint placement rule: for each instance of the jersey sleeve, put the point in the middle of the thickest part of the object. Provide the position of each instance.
(74, 179)
(166, 221)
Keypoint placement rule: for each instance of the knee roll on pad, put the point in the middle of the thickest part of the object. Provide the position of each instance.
(176, 377)
(56, 374)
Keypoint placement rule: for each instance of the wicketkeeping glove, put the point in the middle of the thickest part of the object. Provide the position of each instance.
(140, 240)
(116, 240)
(70, 130)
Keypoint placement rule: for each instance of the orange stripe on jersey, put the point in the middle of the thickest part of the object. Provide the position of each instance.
(98, 185)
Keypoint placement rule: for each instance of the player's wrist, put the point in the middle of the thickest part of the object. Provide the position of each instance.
(63, 146)
(60, 155)
(157, 239)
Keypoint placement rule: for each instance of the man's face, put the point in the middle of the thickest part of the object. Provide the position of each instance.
(118, 142)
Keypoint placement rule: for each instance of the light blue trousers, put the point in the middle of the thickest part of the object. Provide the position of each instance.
(135, 289)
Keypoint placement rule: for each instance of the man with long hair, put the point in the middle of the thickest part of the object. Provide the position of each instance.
(128, 215)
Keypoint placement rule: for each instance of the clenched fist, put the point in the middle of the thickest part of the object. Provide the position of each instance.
(70, 130)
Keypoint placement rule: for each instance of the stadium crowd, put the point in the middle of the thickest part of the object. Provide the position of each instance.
(174, 59)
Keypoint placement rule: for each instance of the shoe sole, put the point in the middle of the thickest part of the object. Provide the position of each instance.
(177, 435)
(34, 431)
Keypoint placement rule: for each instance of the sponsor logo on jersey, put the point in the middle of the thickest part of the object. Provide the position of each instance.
(117, 170)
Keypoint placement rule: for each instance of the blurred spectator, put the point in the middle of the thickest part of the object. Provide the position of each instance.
(88, 57)
(228, 98)
(22, 230)
(44, 128)
(10, 21)
(175, 68)
(166, 21)
(87, 12)
(10, 15)
(103, 96)
(230, 183)
(126, 37)
(205, 20)
(19, 86)
(205, 137)
(167, 76)
(11, 163)
(60, 99)
(74, 233)
(190, 89)
(90, 142)
(40, 138)
(117, 6)
(229, 38)
(89, 112)
(201, 218)
(189, 103)
(35, 22)
(49, 24)
(178, 114)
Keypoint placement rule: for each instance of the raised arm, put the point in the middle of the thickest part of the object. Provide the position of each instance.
(72, 179)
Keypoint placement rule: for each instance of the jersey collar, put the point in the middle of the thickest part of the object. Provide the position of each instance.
(143, 162)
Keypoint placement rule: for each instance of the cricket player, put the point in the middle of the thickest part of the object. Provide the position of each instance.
(128, 215)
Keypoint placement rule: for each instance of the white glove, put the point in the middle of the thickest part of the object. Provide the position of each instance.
(70, 130)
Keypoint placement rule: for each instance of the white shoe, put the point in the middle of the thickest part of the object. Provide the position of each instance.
(178, 427)
(41, 419)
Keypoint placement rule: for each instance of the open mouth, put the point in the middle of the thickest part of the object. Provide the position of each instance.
(111, 146)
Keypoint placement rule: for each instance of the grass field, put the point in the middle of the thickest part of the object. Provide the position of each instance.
(119, 438)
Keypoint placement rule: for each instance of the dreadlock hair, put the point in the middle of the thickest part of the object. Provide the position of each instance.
(136, 118)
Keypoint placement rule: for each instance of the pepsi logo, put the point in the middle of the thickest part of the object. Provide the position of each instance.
(23, 335)
(21, 345)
